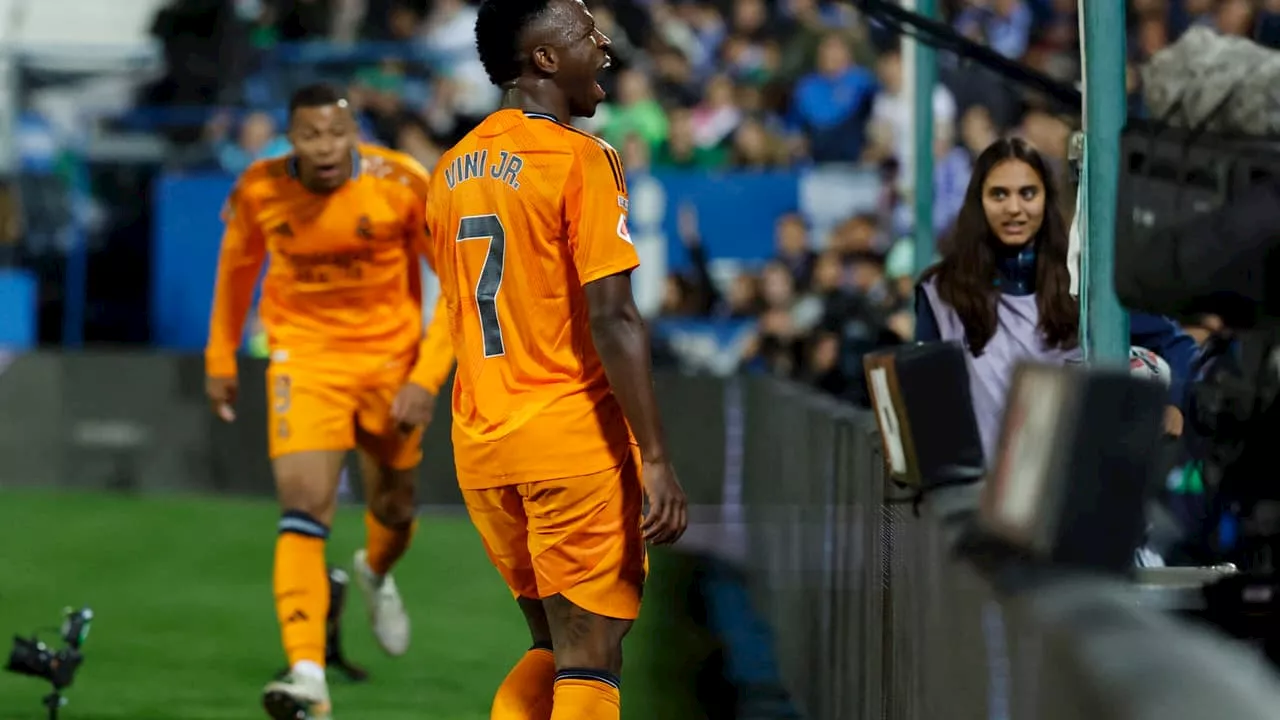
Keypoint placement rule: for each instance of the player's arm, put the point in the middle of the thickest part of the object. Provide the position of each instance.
(596, 206)
(435, 351)
(239, 265)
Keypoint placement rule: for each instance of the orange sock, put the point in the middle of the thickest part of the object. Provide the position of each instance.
(586, 695)
(302, 587)
(385, 545)
(526, 693)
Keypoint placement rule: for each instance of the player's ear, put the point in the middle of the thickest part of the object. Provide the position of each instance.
(545, 60)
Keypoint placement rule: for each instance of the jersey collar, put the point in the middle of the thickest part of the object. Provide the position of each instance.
(541, 116)
(292, 164)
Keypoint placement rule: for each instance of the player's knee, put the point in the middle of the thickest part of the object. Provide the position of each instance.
(584, 639)
(393, 502)
(300, 499)
(307, 483)
(298, 522)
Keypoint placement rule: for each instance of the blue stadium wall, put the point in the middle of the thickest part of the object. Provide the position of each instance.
(736, 214)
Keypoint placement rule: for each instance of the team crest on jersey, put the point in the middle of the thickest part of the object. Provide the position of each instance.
(364, 228)
(623, 232)
(375, 166)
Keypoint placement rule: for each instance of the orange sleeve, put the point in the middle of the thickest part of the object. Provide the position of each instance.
(239, 265)
(596, 207)
(435, 352)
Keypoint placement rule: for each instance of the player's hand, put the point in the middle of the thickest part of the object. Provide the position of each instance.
(1172, 421)
(412, 407)
(222, 396)
(668, 510)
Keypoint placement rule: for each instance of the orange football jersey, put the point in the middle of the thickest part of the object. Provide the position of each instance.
(523, 213)
(343, 275)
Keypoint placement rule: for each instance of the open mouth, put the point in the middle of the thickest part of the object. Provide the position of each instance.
(608, 63)
(1014, 227)
(328, 171)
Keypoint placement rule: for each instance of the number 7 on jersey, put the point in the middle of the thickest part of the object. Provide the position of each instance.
(488, 227)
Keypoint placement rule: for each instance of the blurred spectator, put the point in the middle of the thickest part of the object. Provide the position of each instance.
(256, 138)
(900, 269)
(1005, 25)
(303, 19)
(450, 29)
(794, 250)
(857, 236)
(746, 52)
(681, 149)
(636, 110)
(755, 147)
(851, 325)
(891, 131)
(449, 34)
(977, 130)
(952, 168)
(1050, 135)
(414, 139)
(811, 21)
(699, 86)
(674, 81)
(1235, 17)
(11, 224)
(831, 104)
(718, 115)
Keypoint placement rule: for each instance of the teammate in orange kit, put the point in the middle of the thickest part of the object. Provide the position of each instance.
(341, 303)
(528, 221)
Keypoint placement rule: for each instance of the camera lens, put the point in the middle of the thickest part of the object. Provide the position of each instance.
(29, 658)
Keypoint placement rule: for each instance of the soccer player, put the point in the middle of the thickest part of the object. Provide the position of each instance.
(343, 226)
(556, 431)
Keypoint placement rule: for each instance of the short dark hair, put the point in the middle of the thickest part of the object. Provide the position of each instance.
(499, 27)
(314, 96)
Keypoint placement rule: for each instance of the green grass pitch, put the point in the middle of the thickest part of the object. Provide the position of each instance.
(185, 628)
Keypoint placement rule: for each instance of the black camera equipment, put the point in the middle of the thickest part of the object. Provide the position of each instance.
(1198, 229)
(32, 657)
(1198, 232)
(335, 657)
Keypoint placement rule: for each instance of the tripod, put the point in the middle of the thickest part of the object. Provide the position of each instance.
(53, 702)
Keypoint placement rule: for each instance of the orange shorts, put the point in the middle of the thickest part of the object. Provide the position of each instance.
(578, 537)
(310, 411)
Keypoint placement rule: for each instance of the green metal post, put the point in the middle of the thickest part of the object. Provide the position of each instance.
(925, 76)
(1104, 323)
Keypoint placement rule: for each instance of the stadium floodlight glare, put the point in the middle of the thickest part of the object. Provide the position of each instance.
(1079, 450)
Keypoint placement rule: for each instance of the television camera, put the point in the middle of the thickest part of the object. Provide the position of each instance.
(30, 656)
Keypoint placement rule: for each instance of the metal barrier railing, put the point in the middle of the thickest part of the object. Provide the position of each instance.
(872, 616)
(817, 554)
(876, 618)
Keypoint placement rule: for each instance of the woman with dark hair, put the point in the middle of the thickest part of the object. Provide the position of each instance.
(1002, 286)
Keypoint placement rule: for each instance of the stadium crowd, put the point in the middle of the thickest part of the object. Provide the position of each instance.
(715, 85)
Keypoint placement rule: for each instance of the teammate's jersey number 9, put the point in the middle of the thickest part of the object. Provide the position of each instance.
(488, 227)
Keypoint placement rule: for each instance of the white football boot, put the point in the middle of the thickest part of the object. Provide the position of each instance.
(386, 609)
(299, 695)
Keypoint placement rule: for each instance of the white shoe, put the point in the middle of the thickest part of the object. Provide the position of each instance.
(386, 610)
(298, 696)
